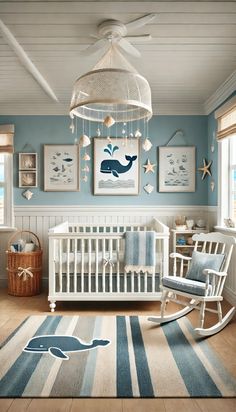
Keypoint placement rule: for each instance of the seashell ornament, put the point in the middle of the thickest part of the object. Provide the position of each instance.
(212, 184)
(85, 178)
(84, 141)
(148, 188)
(109, 121)
(147, 144)
(85, 169)
(72, 126)
(98, 131)
(137, 133)
(27, 194)
(86, 156)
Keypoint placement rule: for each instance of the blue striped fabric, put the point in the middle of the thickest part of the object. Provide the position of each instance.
(140, 361)
(140, 251)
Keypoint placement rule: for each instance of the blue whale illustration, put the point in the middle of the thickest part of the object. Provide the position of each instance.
(115, 167)
(58, 345)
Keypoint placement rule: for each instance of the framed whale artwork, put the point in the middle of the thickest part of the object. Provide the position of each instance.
(116, 166)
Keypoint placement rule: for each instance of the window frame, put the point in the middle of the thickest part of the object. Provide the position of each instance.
(225, 180)
(7, 184)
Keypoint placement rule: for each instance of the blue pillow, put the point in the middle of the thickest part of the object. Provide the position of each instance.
(201, 261)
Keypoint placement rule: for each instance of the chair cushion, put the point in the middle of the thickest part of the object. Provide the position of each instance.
(185, 285)
(201, 261)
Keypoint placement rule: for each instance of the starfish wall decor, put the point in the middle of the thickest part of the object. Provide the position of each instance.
(206, 168)
(149, 167)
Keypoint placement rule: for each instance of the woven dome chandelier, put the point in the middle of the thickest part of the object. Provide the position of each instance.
(113, 89)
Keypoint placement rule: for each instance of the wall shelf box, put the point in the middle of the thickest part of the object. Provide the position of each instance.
(28, 161)
(28, 178)
(28, 170)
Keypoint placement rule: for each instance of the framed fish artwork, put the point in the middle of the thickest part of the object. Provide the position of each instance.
(116, 166)
(177, 169)
(61, 168)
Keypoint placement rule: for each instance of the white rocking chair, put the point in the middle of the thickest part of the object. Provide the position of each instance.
(204, 281)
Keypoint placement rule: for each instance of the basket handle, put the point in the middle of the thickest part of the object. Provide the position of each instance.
(23, 231)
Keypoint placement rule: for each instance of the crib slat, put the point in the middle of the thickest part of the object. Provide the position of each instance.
(153, 281)
(103, 265)
(139, 290)
(216, 248)
(210, 247)
(110, 257)
(96, 265)
(132, 282)
(223, 248)
(145, 282)
(68, 265)
(60, 265)
(118, 265)
(89, 265)
(82, 265)
(75, 265)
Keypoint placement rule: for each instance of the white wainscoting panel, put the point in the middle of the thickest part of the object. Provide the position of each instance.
(39, 219)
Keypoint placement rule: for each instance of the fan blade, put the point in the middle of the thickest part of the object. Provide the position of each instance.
(143, 37)
(141, 21)
(129, 48)
(93, 48)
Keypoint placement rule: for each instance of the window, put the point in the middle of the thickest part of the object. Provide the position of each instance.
(226, 119)
(6, 206)
(232, 178)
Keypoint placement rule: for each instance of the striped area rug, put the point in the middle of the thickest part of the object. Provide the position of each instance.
(141, 360)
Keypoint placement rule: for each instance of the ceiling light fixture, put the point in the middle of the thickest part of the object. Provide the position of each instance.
(112, 90)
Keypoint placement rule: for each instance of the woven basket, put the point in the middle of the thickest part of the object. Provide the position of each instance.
(24, 268)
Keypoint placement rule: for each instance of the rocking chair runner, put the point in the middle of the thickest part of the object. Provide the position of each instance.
(204, 281)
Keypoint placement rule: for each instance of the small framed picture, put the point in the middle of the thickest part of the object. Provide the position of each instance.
(61, 168)
(116, 166)
(28, 178)
(177, 169)
(27, 161)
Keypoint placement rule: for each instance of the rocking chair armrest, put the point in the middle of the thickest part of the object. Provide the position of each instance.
(178, 255)
(214, 272)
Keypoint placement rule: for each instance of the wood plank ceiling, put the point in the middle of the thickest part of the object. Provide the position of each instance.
(192, 51)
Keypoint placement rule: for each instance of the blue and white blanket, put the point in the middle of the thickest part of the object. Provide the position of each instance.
(140, 252)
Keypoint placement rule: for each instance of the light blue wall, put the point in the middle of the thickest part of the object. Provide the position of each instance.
(40, 130)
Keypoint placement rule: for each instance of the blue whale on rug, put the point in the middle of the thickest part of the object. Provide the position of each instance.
(59, 345)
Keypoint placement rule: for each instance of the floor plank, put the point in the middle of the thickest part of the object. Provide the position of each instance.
(212, 405)
(96, 405)
(189, 405)
(5, 404)
(143, 405)
(19, 405)
(50, 405)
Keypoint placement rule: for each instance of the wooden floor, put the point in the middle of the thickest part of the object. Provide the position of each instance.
(14, 309)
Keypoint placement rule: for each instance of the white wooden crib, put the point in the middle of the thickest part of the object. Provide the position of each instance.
(87, 263)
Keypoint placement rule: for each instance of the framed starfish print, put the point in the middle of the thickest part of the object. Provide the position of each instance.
(177, 169)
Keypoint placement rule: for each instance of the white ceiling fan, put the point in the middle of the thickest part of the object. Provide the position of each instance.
(114, 31)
